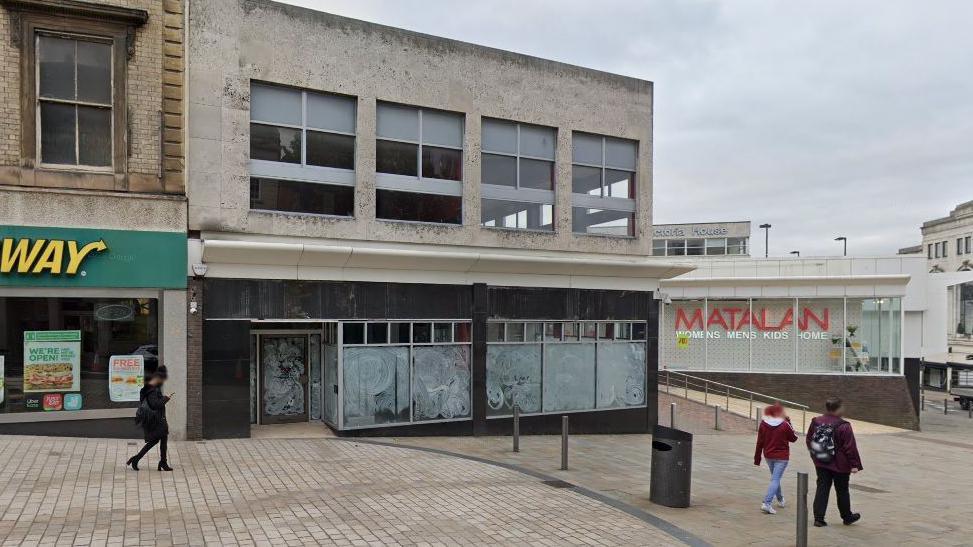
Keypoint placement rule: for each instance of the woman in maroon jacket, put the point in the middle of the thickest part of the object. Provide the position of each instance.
(773, 441)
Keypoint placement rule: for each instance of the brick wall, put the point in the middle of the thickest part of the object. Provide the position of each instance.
(880, 399)
(194, 364)
(155, 93)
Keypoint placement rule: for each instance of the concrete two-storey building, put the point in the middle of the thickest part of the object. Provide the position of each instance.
(397, 233)
(92, 212)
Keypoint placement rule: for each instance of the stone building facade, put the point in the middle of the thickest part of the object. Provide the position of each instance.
(394, 232)
(92, 157)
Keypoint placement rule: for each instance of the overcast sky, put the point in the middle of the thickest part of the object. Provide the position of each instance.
(823, 118)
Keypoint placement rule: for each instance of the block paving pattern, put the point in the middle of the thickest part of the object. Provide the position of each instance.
(57, 491)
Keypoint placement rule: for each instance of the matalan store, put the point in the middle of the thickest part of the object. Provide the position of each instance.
(803, 329)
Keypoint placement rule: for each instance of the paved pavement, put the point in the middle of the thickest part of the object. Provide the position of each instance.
(56, 491)
(916, 489)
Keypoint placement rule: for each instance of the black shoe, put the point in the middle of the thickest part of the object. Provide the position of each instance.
(163, 466)
(820, 523)
(133, 462)
(855, 517)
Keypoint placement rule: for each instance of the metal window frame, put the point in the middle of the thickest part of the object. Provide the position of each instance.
(302, 172)
(580, 340)
(604, 201)
(418, 184)
(411, 345)
(516, 193)
(110, 106)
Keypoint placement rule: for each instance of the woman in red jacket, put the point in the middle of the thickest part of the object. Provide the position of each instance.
(773, 441)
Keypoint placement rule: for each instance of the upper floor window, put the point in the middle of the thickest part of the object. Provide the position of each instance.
(302, 150)
(929, 250)
(967, 242)
(945, 247)
(517, 175)
(603, 185)
(74, 100)
(419, 164)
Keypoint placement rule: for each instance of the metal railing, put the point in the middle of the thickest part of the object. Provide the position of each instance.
(702, 390)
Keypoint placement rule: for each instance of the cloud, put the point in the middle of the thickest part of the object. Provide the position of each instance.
(823, 118)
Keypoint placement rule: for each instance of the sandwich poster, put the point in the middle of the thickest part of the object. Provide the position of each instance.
(52, 360)
(126, 374)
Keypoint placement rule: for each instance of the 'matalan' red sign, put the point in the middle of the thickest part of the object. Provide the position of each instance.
(733, 319)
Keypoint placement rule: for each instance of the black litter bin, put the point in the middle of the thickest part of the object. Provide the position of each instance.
(672, 467)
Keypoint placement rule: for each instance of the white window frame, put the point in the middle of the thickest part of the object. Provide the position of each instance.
(75, 103)
(516, 193)
(417, 184)
(302, 172)
(608, 203)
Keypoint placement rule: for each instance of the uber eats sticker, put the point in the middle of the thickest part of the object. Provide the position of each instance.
(52, 360)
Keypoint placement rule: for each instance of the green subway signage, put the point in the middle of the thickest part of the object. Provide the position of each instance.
(82, 257)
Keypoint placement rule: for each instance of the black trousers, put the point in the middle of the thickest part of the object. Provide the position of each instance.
(148, 446)
(826, 478)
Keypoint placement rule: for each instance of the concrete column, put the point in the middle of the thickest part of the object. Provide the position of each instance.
(173, 353)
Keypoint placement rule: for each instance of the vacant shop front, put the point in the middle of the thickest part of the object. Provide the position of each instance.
(404, 359)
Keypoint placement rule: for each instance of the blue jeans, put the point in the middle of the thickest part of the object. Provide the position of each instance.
(777, 468)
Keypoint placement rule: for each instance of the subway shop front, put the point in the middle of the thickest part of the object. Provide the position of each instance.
(85, 315)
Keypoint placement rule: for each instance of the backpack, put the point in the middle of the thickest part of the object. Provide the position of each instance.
(822, 443)
(145, 417)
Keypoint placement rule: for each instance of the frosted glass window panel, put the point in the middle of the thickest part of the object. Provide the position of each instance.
(621, 375)
(331, 112)
(316, 376)
(774, 343)
(569, 377)
(398, 122)
(683, 336)
(441, 383)
(729, 331)
(331, 384)
(376, 385)
(253, 379)
(513, 378)
(586, 149)
(275, 104)
(620, 153)
(820, 331)
(442, 128)
(537, 141)
(499, 136)
(283, 362)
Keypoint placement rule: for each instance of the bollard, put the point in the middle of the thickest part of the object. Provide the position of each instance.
(945, 407)
(672, 415)
(564, 443)
(516, 428)
(756, 420)
(922, 405)
(802, 510)
(716, 417)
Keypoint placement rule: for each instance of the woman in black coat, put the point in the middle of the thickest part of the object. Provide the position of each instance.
(153, 419)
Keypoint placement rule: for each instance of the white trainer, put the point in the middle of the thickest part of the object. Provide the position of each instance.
(768, 508)
(781, 503)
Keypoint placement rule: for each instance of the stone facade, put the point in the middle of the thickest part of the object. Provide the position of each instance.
(155, 90)
(944, 232)
(234, 42)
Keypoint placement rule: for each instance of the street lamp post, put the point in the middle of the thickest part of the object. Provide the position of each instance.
(766, 228)
(798, 253)
(844, 240)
